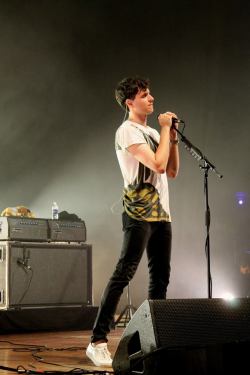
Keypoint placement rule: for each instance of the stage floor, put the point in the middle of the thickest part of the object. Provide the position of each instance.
(49, 351)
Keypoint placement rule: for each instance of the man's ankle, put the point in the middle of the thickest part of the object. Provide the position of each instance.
(98, 342)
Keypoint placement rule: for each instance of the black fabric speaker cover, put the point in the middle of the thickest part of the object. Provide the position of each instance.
(45, 274)
(191, 336)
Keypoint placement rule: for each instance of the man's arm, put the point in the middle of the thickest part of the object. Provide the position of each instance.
(173, 164)
(157, 161)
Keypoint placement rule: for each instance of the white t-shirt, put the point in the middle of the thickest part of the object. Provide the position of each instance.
(146, 195)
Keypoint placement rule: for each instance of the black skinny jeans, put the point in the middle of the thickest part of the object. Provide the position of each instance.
(156, 238)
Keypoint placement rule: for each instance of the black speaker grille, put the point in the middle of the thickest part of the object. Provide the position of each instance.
(61, 274)
(200, 321)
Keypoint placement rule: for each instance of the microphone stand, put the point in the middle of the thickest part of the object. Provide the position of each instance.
(206, 166)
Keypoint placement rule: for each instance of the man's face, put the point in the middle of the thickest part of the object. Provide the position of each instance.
(143, 103)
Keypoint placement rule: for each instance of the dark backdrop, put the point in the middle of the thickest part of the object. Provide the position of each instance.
(60, 62)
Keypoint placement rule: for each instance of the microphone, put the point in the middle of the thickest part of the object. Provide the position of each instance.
(177, 121)
(24, 262)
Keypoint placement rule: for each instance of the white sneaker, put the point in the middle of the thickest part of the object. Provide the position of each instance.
(99, 354)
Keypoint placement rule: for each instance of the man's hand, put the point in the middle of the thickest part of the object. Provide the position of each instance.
(173, 132)
(165, 119)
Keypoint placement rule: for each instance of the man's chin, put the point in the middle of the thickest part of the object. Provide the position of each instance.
(150, 111)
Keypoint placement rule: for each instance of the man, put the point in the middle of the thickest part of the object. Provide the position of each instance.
(146, 159)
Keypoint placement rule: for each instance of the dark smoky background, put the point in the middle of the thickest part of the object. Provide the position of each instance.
(60, 63)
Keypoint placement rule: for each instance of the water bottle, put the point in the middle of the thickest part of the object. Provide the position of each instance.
(55, 211)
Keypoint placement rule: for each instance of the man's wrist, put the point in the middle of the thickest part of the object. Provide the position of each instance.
(174, 141)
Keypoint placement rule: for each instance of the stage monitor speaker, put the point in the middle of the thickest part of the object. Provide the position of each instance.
(186, 336)
(45, 274)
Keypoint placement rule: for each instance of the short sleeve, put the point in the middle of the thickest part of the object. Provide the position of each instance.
(127, 136)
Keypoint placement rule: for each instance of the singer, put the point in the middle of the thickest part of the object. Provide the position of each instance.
(146, 158)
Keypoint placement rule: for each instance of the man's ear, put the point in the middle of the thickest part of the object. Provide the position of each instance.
(128, 102)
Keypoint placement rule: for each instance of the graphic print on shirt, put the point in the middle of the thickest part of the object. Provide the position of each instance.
(141, 198)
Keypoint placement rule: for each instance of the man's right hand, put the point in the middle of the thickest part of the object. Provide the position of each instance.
(165, 119)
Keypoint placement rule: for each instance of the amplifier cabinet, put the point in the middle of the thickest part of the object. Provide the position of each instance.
(23, 229)
(44, 274)
(68, 231)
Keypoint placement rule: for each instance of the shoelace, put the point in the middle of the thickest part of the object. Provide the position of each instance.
(104, 353)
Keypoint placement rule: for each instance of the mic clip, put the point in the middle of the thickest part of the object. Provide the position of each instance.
(177, 121)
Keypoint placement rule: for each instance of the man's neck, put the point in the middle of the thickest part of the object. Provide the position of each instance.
(139, 119)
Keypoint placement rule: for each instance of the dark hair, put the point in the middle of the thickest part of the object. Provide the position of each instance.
(127, 88)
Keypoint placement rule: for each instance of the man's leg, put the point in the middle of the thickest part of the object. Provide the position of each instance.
(136, 234)
(159, 256)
